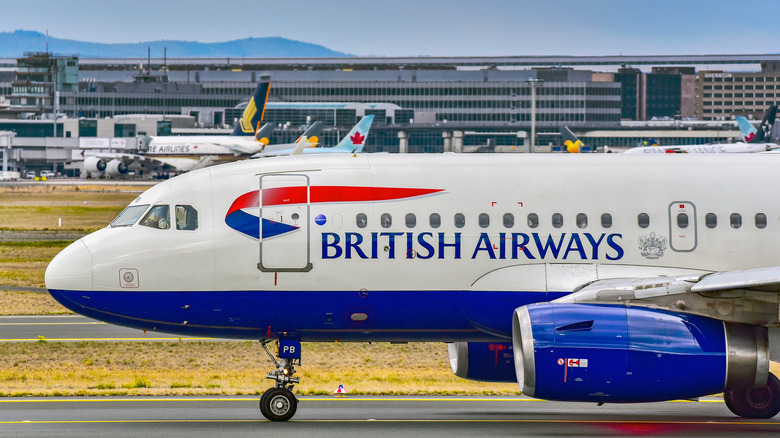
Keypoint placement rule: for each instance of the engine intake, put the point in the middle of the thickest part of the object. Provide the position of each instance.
(94, 165)
(116, 167)
(613, 353)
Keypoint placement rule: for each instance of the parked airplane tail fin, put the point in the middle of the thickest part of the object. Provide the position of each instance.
(572, 143)
(356, 138)
(312, 134)
(263, 134)
(254, 111)
(764, 131)
(746, 129)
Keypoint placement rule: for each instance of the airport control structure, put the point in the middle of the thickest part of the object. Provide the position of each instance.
(55, 108)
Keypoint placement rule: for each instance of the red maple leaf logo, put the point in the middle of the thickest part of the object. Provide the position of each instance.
(357, 138)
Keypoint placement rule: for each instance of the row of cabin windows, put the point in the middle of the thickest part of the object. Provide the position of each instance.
(643, 220)
(508, 219)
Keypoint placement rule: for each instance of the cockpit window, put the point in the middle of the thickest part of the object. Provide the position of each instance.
(157, 218)
(187, 218)
(129, 216)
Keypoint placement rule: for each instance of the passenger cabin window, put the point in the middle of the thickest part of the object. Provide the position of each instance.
(186, 218)
(557, 220)
(386, 220)
(682, 220)
(460, 220)
(582, 220)
(435, 220)
(711, 220)
(736, 220)
(643, 220)
(760, 220)
(533, 220)
(129, 216)
(157, 218)
(361, 220)
(484, 220)
(411, 220)
(606, 220)
(509, 220)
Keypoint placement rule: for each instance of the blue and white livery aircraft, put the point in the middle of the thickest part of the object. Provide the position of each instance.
(552, 271)
(352, 143)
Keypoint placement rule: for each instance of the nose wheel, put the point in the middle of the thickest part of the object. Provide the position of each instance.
(279, 403)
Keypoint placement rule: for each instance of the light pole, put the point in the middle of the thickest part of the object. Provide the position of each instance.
(534, 84)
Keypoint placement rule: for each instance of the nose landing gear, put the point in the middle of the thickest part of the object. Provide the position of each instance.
(279, 403)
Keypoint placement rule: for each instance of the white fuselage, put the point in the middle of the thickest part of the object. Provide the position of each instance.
(717, 148)
(522, 224)
(185, 151)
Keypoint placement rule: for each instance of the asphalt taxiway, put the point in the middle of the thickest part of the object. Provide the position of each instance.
(73, 328)
(370, 416)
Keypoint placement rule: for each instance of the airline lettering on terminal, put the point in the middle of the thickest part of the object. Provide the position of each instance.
(580, 246)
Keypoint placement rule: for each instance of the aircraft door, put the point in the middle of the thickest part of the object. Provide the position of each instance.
(682, 226)
(284, 223)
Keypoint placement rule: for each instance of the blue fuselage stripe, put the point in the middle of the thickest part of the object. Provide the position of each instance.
(311, 316)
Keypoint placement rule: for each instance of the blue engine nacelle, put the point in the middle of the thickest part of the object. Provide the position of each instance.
(483, 361)
(610, 353)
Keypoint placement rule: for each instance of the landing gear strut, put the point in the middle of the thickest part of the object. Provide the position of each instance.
(279, 403)
(763, 402)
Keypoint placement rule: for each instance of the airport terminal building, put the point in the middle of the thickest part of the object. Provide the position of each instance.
(419, 104)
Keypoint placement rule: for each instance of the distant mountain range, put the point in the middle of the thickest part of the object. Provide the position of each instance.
(15, 44)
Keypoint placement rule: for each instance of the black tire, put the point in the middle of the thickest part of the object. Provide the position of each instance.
(278, 404)
(264, 402)
(761, 402)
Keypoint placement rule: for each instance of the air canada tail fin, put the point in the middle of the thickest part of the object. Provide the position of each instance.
(254, 111)
(356, 138)
(746, 129)
(572, 143)
(264, 134)
(764, 131)
(312, 134)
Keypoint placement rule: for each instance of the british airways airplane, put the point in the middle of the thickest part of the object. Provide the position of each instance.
(552, 271)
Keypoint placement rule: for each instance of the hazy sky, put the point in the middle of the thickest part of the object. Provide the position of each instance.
(423, 27)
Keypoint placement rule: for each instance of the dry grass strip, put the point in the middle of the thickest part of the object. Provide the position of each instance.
(229, 368)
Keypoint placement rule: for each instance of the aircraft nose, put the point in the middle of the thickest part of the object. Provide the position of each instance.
(71, 269)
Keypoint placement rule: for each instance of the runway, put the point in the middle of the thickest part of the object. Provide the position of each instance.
(73, 328)
(375, 416)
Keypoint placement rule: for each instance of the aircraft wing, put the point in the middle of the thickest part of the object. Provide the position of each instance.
(239, 146)
(749, 279)
(748, 296)
(275, 150)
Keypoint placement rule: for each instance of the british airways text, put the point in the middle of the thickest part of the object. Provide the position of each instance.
(534, 246)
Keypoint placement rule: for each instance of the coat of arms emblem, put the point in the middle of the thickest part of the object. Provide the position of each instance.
(652, 247)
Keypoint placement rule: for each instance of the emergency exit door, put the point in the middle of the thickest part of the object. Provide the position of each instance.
(682, 226)
(284, 223)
